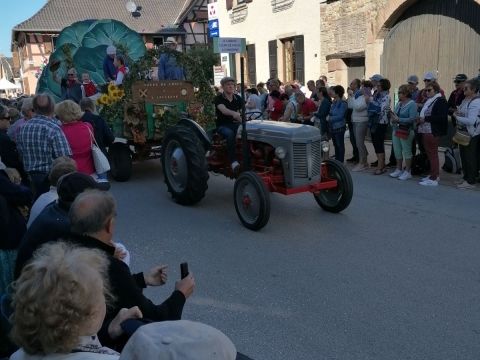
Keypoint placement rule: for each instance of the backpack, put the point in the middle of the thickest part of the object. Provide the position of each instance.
(420, 164)
(453, 163)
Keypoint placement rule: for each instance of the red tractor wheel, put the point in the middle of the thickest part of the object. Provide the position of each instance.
(252, 200)
(337, 199)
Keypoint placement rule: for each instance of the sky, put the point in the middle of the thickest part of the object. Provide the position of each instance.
(13, 12)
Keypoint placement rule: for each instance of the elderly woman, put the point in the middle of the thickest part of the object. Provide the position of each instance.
(60, 304)
(432, 124)
(336, 122)
(378, 118)
(79, 135)
(325, 102)
(468, 119)
(402, 137)
(360, 122)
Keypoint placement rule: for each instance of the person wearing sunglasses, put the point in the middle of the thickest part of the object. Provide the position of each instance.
(433, 124)
(468, 117)
(70, 86)
(428, 79)
(457, 96)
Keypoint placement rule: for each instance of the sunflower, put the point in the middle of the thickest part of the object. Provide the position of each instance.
(111, 88)
(121, 93)
(103, 99)
(108, 102)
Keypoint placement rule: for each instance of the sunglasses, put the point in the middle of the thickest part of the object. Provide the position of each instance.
(71, 74)
(428, 90)
(427, 80)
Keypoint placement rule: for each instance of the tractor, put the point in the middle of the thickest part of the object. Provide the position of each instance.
(276, 157)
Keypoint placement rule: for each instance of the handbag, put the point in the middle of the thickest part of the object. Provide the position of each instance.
(403, 131)
(100, 161)
(461, 137)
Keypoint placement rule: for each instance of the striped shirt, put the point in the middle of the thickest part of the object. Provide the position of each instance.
(40, 141)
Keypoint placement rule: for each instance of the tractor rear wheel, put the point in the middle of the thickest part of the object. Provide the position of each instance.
(337, 199)
(184, 165)
(120, 158)
(252, 200)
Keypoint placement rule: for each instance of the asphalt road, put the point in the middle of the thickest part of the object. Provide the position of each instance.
(395, 276)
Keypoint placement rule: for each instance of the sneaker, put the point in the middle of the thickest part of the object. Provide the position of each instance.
(465, 186)
(360, 167)
(428, 178)
(429, 182)
(396, 173)
(405, 175)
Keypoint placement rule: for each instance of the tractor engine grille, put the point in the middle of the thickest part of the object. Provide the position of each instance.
(306, 159)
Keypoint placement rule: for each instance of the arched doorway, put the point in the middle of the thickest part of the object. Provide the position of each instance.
(433, 35)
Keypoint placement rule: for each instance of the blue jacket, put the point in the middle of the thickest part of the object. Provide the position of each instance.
(337, 114)
(109, 70)
(168, 68)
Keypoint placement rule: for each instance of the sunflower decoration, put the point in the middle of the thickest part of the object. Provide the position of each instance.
(111, 88)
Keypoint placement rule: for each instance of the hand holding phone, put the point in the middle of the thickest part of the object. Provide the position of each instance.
(184, 270)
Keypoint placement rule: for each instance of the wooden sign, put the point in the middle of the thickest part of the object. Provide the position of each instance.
(162, 91)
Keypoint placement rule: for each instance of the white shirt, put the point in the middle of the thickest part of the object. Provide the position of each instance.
(40, 204)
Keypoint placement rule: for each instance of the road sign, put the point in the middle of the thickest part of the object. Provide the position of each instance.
(213, 28)
(212, 11)
(218, 74)
(229, 45)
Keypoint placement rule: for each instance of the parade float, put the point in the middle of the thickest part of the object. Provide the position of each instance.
(142, 109)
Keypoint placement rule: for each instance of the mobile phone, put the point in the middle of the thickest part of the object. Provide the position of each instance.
(184, 270)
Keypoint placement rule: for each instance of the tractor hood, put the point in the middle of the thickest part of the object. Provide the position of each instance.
(264, 130)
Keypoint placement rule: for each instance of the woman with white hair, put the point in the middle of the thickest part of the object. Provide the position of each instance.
(79, 135)
(60, 304)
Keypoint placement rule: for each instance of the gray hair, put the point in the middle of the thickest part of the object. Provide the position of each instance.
(27, 105)
(87, 104)
(91, 211)
(43, 104)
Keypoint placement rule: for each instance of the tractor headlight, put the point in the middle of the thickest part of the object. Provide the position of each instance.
(280, 152)
(325, 146)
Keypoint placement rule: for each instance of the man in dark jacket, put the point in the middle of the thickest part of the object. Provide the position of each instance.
(103, 134)
(92, 218)
(53, 223)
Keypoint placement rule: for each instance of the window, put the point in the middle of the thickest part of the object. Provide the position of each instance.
(251, 67)
(157, 42)
(293, 59)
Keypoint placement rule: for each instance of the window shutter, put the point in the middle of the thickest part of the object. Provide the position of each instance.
(252, 73)
(299, 59)
(229, 4)
(272, 58)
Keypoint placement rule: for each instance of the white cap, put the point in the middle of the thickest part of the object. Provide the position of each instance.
(170, 40)
(429, 76)
(111, 50)
(178, 340)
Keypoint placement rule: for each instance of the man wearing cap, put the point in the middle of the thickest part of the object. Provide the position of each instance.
(457, 96)
(412, 82)
(375, 79)
(167, 65)
(52, 223)
(109, 69)
(227, 108)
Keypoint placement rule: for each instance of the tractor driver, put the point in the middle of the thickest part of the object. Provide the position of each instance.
(227, 107)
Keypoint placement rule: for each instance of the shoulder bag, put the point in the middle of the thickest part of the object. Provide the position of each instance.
(462, 137)
(99, 159)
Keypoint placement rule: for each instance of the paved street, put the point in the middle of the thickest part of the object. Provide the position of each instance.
(396, 276)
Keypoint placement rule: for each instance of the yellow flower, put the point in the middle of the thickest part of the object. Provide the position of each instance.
(121, 93)
(103, 99)
(111, 88)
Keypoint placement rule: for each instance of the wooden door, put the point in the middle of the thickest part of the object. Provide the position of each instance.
(272, 59)
(434, 35)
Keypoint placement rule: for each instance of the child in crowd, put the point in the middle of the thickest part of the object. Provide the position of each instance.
(89, 88)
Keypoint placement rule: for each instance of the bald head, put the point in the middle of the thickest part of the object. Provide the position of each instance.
(91, 212)
(43, 104)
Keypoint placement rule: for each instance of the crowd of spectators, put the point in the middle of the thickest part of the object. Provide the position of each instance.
(415, 120)
(60, 265)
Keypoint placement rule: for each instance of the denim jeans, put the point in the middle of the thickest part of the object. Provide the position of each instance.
(229, 132)
(338, 138)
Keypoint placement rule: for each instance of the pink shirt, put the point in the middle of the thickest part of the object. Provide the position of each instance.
(80, 140)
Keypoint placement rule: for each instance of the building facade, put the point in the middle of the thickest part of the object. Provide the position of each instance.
(345, 39)
(34, 39)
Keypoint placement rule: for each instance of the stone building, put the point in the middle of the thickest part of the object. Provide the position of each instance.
(358, 38)
(34, 39)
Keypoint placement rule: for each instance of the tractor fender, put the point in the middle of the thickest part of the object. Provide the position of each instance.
(198, 130)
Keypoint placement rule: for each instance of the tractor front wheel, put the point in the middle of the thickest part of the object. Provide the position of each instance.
(252, 200)
(184, 165)
(337, 199)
